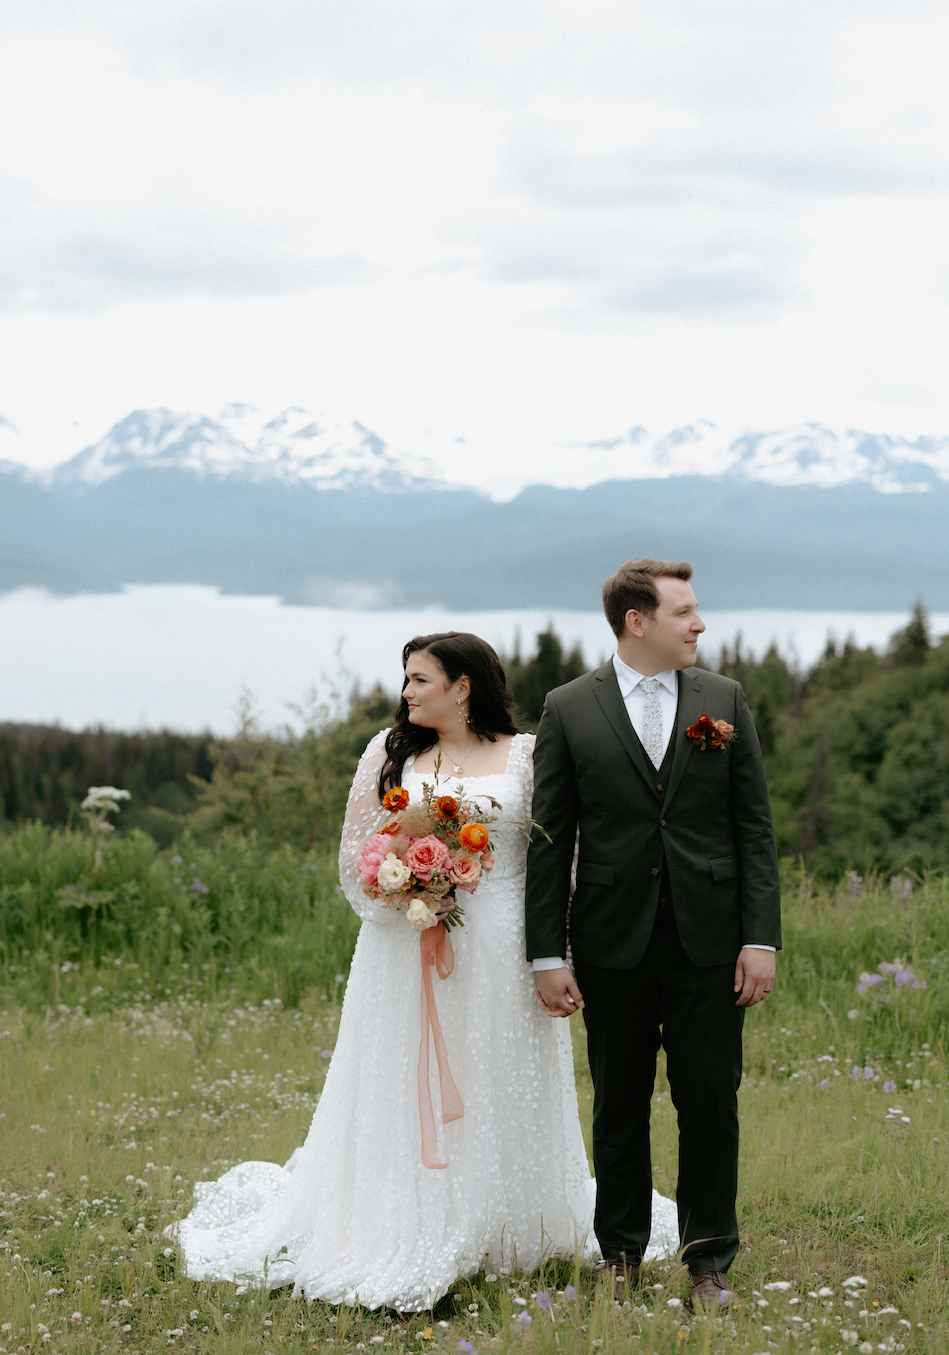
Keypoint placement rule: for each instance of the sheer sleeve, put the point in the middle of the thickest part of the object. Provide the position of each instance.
(364, 816)
(521, 760)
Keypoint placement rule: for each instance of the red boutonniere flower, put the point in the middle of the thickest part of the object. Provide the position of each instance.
(708, 734)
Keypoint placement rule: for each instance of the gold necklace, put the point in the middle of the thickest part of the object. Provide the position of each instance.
(458, 767)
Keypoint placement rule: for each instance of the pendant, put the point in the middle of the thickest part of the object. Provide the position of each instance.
(459, 771)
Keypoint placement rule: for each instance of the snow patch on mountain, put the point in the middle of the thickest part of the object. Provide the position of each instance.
(804, 454)
(294, 446)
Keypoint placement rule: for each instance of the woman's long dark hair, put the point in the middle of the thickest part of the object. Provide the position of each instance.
(489, 705)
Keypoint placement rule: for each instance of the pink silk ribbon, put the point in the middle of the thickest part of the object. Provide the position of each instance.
(435, 949)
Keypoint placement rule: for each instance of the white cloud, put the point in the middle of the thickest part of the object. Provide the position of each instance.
(493, 217)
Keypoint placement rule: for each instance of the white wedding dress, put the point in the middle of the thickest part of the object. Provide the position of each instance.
(354, 1216)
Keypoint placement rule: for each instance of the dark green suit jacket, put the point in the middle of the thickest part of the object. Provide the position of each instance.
(711, 822)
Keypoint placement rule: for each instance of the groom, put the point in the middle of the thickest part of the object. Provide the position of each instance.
(676, 914)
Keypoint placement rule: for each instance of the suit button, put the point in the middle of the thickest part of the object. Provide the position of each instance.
(662, 823)
(659, 788)
(655, 870)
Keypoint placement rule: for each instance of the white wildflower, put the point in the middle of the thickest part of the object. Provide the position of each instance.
(97, 795)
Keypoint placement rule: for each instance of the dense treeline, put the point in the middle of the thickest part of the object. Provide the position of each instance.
(856, 748)
(45, 771)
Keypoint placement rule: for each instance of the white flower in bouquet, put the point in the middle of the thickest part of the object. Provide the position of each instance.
(420, 916)
(393, 875)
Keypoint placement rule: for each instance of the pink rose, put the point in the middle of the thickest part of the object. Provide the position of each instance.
(466, 872)
(723, 727)
(426, 856)
(371, 858)
(487, 860)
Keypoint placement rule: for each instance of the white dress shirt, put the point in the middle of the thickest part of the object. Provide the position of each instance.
(633, 699)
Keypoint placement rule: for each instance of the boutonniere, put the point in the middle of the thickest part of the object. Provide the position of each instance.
(707, 734)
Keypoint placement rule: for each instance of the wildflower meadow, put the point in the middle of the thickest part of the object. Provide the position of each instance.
(166, 1012)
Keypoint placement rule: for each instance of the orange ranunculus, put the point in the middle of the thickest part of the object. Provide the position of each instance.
(395, 799)
(445, 807)
(474, 836)
(390, 827)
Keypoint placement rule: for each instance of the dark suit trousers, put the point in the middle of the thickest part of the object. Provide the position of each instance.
(691, 1011)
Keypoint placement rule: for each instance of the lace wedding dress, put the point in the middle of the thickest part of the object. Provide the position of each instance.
(354, 1216)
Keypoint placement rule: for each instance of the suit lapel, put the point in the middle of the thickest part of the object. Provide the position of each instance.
(607, 692)
(692, 695)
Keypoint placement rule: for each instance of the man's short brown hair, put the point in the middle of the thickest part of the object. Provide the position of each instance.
(633, 587)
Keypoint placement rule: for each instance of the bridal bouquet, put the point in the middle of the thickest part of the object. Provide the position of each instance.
(427, 853)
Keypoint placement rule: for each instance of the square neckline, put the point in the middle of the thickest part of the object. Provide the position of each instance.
(410, 769)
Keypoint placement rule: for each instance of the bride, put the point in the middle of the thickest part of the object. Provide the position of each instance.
(374, 1208)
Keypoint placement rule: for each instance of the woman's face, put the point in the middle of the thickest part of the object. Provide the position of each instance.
(432, 700)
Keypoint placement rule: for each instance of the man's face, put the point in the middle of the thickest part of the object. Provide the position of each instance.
(671, 635)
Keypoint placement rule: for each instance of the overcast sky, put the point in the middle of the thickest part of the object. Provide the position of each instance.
(516, 222)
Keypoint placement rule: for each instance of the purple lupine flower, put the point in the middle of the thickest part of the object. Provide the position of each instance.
(889, 1087)
(543, 1301)
(868, 1073)
(570, 1292)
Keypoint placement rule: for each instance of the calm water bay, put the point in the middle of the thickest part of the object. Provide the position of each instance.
(181, 656)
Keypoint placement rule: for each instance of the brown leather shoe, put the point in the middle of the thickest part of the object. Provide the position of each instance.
(710, 1289)
(624, 1275)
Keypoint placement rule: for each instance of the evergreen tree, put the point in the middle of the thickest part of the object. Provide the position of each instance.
(910, 646)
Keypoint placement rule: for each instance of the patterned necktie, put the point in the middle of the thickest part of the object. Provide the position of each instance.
(652, 720)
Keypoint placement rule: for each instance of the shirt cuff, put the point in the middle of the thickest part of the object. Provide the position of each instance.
(549, 962)
(752, 945)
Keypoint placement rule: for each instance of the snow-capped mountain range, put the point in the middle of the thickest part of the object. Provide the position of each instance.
(294, 446)
(298, 447)
(302, 508)
(805, 454)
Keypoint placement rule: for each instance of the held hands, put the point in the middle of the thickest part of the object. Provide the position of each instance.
(557, 992)
(754, 975)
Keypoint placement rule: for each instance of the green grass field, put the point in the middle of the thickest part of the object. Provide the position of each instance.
(152, 1058)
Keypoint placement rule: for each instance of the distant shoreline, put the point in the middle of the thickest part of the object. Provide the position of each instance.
(179, 656)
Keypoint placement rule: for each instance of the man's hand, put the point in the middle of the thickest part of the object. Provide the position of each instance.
(558, 994)
(754, 975)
